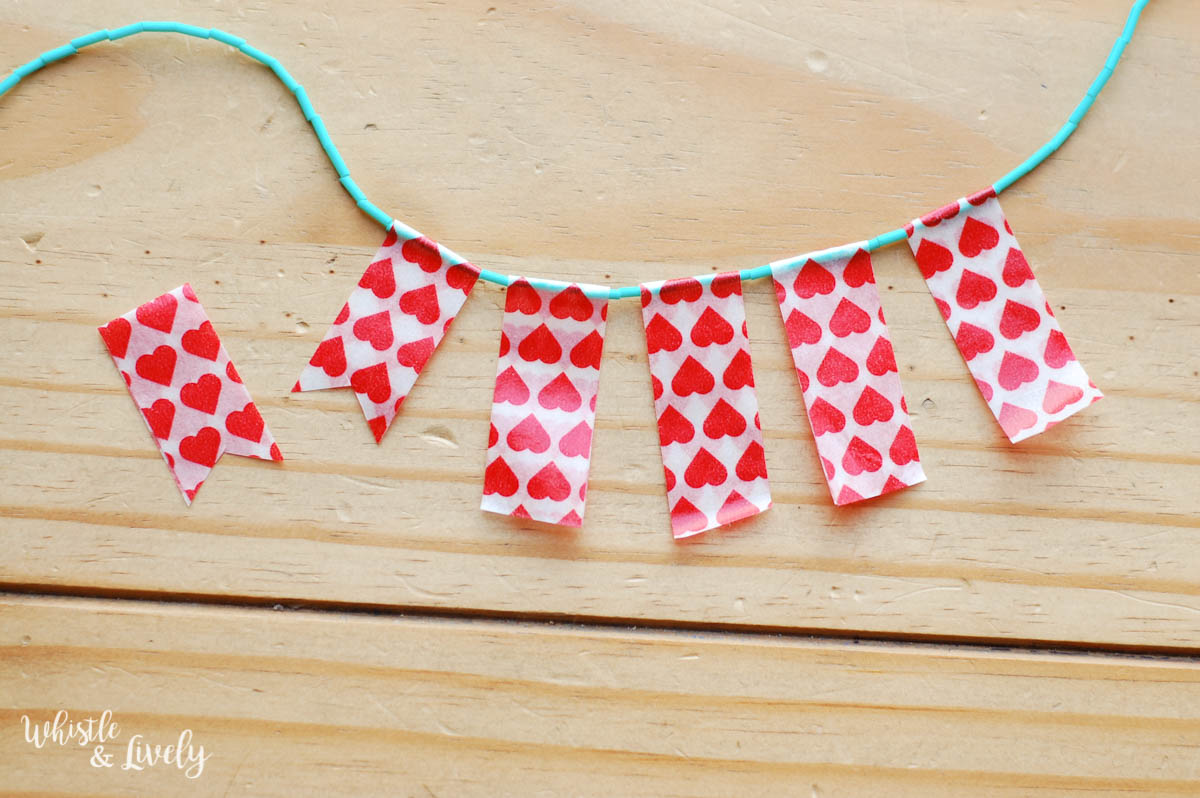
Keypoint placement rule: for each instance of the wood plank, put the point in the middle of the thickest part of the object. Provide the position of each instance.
(614, 143)
(290, 703)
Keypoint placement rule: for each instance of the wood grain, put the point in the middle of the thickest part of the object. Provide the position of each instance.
(613, 142)
(299, 703)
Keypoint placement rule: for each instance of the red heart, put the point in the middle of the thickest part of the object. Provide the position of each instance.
(752, 464)
(800, 373)
(824, 417)
(157, 367)
(882, 358)
(686, 519)
(847, 496)
(849, 318)
(1014, 420)
(673, 427)
(872, 406)
(343, 314)
(389, 240)
(462, 276)
(934, 218)
(858, 271)
(724, 420)
(422, 303)
(892, 485)
(727, 284)
(974, 288)
(705, 470)
(1018, 319)
(836, 368)
(692, 378)
(662, 335)
(499, 478)
(813, 279)
(943, 308)
(246, 423)
(188, 293)
(202, 342)
(529, 434)
(510, 388)
(375, 329)
(1016, 269)
(504, 344)
(801, 329)
(521, 297)
(973, 340)
(829, 469)
(204, 447)
(669, 475)
(160, 416)
(540, 345)
(586, 353)
(1015, 371)
(1059, 396)
(493, 435)
(202, 394)
(577, 442)
(904, 448)
(560, 393)
(423, 252)
(980, 197)
(740, 372)
(780, 291)
(416, 354)
(380, 278)
(1058, 352)
(656, 384)
(710, 328)
(549, 483)
(373, 381)
(159, 314)
(735, 508)
(685, 289)
(933, 258)
(116, 336)
(330, 356)
(976, 236)
(985, 389)
(571, 302)
(861, 456)
(571, 519)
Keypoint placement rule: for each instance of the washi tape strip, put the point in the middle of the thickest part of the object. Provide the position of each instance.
(999, 317)
(703, 382)
(848, 375)
(544, 403)
(190, 395)
(390, 327)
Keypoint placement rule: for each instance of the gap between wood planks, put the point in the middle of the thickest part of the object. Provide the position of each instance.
(814, 634)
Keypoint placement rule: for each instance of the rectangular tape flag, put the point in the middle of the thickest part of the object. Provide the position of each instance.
(704, 398)
(544, 403)
(999, 317)
(847, 372)
(389, 328)
(190, 395)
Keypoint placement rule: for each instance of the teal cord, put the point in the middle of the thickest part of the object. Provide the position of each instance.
(370, 209)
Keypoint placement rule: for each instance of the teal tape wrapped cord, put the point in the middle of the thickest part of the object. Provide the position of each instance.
(369, 208)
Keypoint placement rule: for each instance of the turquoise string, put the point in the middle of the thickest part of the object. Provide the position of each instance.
(372, 210)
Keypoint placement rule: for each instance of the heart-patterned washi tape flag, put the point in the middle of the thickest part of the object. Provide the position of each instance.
(190, 395)
(390, 327)
(703, 382)
(544, 404)
(999, 317)
(847, 371)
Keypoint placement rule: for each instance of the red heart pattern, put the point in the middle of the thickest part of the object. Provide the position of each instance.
(705, 400)
(544, 407)
(392, 324)
(187, 388)
(854, 399)
(1000, 319)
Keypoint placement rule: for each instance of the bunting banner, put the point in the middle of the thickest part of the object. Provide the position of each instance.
(544, 403)
(389, 328)
(703, 382)
(189, 393)
(998, 316)
(848, 376)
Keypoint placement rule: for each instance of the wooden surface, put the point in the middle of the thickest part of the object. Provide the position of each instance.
(613, 142)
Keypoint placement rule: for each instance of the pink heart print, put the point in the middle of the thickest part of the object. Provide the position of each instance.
(998, 316)
(190, 395)
(387, 331)
(544, 404)
(848, 376)
(703, 383)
